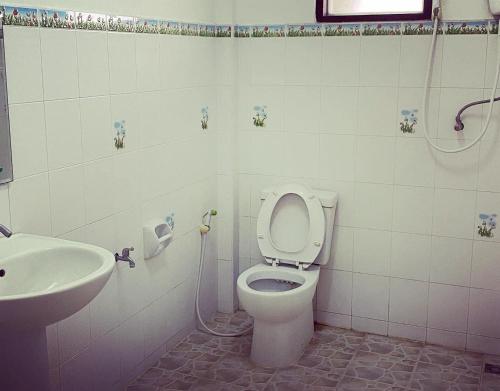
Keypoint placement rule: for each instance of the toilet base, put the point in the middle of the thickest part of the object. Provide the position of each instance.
(278, 345)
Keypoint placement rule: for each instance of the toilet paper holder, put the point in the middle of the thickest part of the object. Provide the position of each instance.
(157, 236)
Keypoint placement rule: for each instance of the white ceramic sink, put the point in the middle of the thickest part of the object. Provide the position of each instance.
(46, 279)
(42, 280)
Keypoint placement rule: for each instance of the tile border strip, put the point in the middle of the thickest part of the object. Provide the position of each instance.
(67, 19)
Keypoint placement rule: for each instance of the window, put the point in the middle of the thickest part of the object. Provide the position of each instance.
(372, 10)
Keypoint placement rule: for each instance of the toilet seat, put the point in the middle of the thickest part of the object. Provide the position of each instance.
(316, 235)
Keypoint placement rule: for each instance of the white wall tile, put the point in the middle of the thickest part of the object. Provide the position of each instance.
(75, 373)
(446, 338)
(415, 333)
(372, 251)
(379, 61)
(97, 141)
(374, 159)
(413, 209)
(64, 134)
(337, 157)
(99, 189)
(413, 62)
(370, 296)
(341, 255)
(59, 64)
(408, 302)
(448, 307)
(489, 165)
(411, 99)
(366, 196)
(489, 204)
(457, 170)
(372, 326)
(271, 71)
(338, 110)
(105, 368)
(148, 62)
(485, 270)
(410, 257)
(66, 199)
(4, 205)
(484, 313)
(414, 163)
(454, 213)
(377, 110)
(298, 116)
(301, 66)
(451, 261)
(481, 344)
(24, 64)
(301, 156)
(339, 70)
(28, 139)
(122, 65)
(74, 334)
(93, 66)
(335, 291)
(30, 205)
(334, 320)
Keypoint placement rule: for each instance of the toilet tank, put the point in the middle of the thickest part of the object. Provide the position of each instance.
(328, 200)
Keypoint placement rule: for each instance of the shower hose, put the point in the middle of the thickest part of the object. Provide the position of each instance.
(426, 94)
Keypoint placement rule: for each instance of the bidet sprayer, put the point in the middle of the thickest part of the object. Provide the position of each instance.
(205, 220)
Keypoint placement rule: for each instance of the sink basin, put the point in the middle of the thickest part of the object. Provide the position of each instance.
(47, 279)
(42, 280)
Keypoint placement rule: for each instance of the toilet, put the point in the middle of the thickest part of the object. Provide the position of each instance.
(294, 234)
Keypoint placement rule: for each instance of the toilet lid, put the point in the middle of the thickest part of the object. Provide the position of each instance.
(291, 225)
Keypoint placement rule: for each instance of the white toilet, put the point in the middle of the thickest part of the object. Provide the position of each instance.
(294, 233)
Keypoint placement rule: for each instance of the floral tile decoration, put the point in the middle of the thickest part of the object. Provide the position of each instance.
(493, 26)
(148, 26)
(408, 121)
(120, 134)
(169, 27)
(424, 28)
(207, 30)
(89, 21)
(17, 16)
(223, 31)
(342, 30)
(260, 116)
(57, 19)
(382, 29)
(124, 24)
(305, 30)
(204, 118)
(269, 31)
(487, 225)
(170, 220)
(189, 29)
(454, 28)
(242, 31)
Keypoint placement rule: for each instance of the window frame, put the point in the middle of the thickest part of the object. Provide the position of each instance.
(323, 17)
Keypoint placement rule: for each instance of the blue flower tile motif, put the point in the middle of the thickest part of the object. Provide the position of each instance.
(342, 30)
(189, 29)
(204, 118)
(223, 31)
(124, 24)
(371, 29)
(467, 27)
(147, 26)
(170, 220)
(487, 225)
(121, 131)
(242, 31)
(19, 16)
(90, 21)
(493, 27)
(169, 27)
(207, 30)
(260, 116)
(269, 31)
(57, 19)
(423, 28)
(305, 30)
(408, 121)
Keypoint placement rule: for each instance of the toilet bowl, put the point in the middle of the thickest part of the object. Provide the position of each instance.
(294, 233)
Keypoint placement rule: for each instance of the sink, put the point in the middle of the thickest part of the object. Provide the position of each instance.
(42, 280)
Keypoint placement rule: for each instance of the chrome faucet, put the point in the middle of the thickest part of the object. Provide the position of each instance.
(125, 257)
(5, 231)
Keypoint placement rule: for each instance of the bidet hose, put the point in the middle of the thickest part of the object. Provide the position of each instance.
(426, 95)
(198, 314)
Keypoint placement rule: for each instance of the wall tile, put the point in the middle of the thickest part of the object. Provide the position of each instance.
(370, 297)
(411, 99)
(415, 333)
(75, 373)
(414, 163)
(488, 204)
(270, 71)
(93, 66)
(372, 326)
(410, 257)
(412, 209)
(334, 320)
(105, 368)
(446, 338)
(374, 159)
(24, 65)
(413, 64)
(481, 344)
(64, 135)
(339, 70)
(457, 170)
(97, 139)
(301, 156)
(451, 261)
(365, 215)
(377, 111)
(485, 270)
(74, 334)
(448, 307)
(338, 110)
(337, 157)
(335, 291)
(301, 61)
(379, 61)
(122, 67)
(489, 165)
(30, 205)
(341, 256)
(4, 205)
(148, 62)
(66, 199)
(59, 64)
(408, 302)
(484, 313)
(372, 251)
(454, 213)
(125, 108)
(28, 139)
(99, 189)
(302, 109)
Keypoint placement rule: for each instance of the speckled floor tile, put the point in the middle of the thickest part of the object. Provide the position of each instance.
(336, 359)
